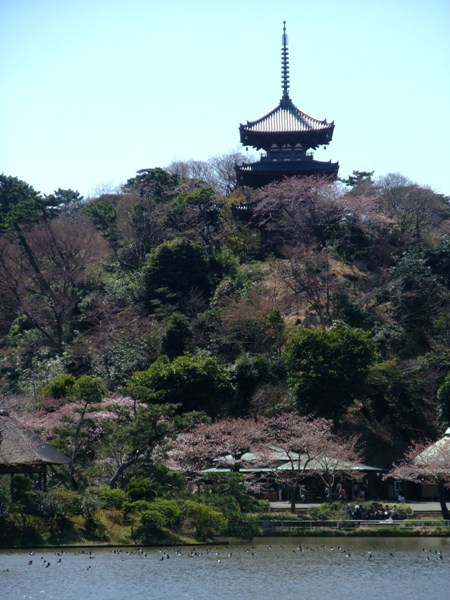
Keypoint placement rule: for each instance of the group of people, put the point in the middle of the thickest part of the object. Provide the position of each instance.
(377, 512)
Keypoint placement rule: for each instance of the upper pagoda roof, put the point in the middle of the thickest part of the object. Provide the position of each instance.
(286, 124)
(287, 118)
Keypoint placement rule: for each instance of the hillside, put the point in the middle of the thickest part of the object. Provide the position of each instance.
(160, 295)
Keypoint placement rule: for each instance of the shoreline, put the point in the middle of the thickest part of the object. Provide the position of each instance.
(317, 532)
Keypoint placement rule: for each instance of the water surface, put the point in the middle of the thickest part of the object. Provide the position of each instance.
(281, 569)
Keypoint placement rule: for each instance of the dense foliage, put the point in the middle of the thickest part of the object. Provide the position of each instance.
(131, 317)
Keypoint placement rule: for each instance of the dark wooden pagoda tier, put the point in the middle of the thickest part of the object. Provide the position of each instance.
(287, 135)
(262, 173)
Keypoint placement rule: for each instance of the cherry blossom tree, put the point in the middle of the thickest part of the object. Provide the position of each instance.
(427, 463)
(292, 447)
(297, 210)
(341, 457)
(301, 447)
(221, 443)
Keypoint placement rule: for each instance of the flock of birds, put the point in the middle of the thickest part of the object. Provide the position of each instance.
(219, 554)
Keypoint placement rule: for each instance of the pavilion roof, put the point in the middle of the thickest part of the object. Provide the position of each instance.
(277, 460)
(437, 453)
(20, 447)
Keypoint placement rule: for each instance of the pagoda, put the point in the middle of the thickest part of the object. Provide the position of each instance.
(287, 135)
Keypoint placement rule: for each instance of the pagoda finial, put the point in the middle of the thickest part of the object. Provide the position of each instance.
(285, 64)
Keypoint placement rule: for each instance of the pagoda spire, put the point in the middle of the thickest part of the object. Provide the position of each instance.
(284, 64)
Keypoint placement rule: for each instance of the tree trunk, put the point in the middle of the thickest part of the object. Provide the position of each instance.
(45, 287)
(121, 469)
(442, 501)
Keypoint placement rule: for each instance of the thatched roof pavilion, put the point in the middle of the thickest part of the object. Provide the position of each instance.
(22, 451)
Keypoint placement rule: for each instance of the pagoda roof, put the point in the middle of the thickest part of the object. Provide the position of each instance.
(291, 167)
(263, 172)
(286, 124)
(287, 118)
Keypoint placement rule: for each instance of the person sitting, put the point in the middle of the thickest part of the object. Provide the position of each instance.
(357, 513)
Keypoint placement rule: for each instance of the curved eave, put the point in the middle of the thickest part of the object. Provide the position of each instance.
(307, 139)
(286, 124)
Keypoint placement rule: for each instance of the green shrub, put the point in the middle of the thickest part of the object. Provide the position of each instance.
(276, 516)
(328, 511)
(52, 512)
(242, 525)
(87, 389)
(169, 509)
(206, 520)
(140, 489)
(111, 498)
(89, 505)
(151, 525)
(68, 499)
(154, 517)
(59, 387)
(23, 494)
(234, 502)
(405, 511)
(138, 506)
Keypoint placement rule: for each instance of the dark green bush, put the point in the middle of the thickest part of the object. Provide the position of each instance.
(140, 489)
(51, 509)
(111, 498)
(151, 525)
(228, 492)
(89, 506)
(23, 494)
(68, 499)
(206, 520)
(170, 509)
(59, 387)
(242, 525)
(138, 506)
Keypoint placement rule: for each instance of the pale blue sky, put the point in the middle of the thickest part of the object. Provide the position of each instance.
(93, 90)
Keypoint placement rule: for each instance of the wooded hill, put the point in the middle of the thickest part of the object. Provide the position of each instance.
(331, 298)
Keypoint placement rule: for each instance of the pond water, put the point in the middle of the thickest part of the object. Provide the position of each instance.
(269, 568)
